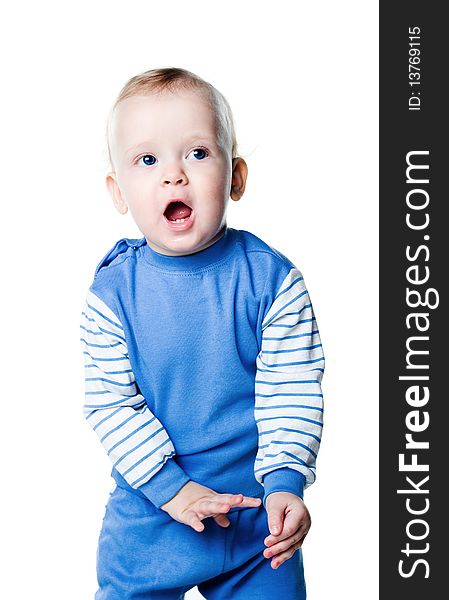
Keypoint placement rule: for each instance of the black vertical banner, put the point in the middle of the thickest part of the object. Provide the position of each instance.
(414, 256)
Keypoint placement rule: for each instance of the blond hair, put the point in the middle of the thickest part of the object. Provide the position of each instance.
(173, 79)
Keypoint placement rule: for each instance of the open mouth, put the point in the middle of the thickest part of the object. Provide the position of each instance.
(177, 212)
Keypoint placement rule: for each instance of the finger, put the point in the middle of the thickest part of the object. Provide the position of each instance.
(192, 519)
(232, 499)
(274, 539)
(275, 520)
(210, 507)
(250, 501)
(240, 500)
(284, 545)
(287, 537)
(295, 520)
(222, 521)
(291, 527)
(281, 558)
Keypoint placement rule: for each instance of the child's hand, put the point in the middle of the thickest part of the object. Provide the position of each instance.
(288, 522)
(194, 502)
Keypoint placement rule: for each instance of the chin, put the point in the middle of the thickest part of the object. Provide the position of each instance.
(184, 247)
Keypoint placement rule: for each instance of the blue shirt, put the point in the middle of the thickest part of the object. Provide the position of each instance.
(203, 367)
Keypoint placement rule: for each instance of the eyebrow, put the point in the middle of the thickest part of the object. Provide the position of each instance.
(136, 147)
(200, 137)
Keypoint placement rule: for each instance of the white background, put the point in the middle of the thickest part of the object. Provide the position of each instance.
(301, 78)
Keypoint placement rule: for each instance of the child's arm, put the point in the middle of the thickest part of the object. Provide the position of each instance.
(289, 401)
(289, 414)
(136, 442)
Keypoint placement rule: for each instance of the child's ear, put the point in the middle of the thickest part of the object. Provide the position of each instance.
(116, 194)
(239, 175)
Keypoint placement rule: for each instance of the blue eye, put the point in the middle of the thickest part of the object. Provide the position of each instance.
(148, 159)
(198, 153)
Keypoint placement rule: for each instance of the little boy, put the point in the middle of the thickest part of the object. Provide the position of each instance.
(203, 365)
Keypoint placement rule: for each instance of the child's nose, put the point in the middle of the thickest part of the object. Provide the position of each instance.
(174, 176)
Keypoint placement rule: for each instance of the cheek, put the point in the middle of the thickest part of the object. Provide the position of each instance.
(141, 183)
(140, 190)
(216, 195)
(139, 200)
(217, 182)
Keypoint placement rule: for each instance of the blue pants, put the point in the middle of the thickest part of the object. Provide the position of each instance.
(144, 554)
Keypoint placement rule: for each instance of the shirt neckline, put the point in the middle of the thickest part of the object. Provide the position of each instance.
(215, 253)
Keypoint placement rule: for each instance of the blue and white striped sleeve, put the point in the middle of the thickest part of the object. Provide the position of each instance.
(135, 441)
(288, 397)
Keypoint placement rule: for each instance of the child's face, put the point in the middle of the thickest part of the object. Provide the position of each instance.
(165, 147)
